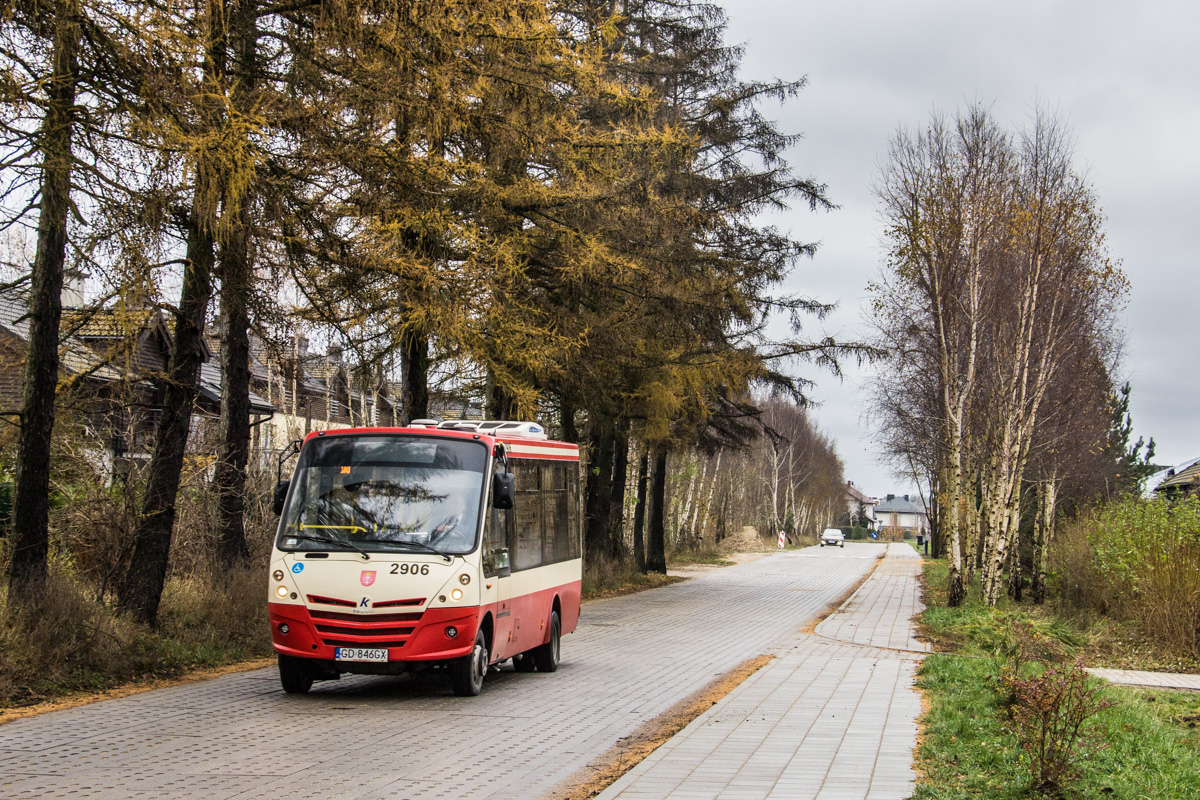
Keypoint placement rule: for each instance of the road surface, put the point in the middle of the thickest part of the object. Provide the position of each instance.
(363, 737)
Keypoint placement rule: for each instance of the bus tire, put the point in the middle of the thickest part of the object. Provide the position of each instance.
(523, 662)
(546, 655)
(467, 673)
(295, 674)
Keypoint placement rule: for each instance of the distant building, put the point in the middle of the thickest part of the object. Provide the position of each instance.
(113, 364)
(900, 516)
(859, 504)
(1176, 481)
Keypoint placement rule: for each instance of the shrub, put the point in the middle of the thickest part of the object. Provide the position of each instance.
(1138, 560)
(1051, 715)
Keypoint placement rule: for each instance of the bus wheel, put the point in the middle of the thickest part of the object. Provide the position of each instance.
(546, 655)
(523, 662)
(295, 674)
(466, 674)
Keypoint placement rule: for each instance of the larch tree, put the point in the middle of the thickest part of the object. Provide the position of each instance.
(70, 73)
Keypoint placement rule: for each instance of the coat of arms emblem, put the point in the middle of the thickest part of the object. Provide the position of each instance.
(367, 577)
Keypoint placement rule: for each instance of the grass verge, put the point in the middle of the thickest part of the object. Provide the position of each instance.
(71, 643)
(706, 556)
(1145, 747)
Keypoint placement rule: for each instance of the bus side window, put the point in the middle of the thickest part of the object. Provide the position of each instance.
(572, 500)
(551, 520)
(527, 517)
(495, 540)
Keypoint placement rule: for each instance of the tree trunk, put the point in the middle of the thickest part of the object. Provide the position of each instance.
(141, 590)
(414, 377)
(956, 589)
(229, 476)
(599, 486)
(620, 476)
(30, 520)
(1016, 577)
(703, 523)
(1048, 499)
(639, 511)
(567, 411)
(235, 271)
(656, 550)
(682, 536)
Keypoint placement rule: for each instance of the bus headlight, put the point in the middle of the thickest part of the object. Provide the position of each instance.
(456, 594)
(281, 591)
(464, 579)
(277, 574)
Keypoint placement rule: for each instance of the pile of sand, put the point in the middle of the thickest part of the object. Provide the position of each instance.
(746, 540)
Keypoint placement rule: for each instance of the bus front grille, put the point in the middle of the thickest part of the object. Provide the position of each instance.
(360, 620)
(336, 629)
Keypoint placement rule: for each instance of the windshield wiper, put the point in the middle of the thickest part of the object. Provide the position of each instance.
(419, 545)
(329, 540)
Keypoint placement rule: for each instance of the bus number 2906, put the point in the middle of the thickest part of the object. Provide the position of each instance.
(410, 569)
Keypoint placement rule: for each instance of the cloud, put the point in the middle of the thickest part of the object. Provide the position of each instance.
(1124, 75)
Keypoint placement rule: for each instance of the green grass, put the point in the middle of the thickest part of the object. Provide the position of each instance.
(968, 750)
(1148, 743)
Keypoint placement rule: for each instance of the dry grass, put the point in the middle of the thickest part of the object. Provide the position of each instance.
(609, 577)
(71, 642)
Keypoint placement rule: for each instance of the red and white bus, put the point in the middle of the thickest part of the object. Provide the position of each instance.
(453, 545)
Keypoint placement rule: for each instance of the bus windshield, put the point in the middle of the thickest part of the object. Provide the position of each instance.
(386, 493)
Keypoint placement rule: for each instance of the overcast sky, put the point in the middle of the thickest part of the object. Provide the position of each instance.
(1124, 76)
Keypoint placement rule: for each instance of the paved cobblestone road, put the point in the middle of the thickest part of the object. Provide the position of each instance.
(240, 736)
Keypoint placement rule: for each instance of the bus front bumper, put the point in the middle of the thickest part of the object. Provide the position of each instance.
(407, 637)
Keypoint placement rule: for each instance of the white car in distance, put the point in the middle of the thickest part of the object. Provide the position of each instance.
(833, 536)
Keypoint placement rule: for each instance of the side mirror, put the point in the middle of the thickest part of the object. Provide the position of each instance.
(504, 490)
(281, 490)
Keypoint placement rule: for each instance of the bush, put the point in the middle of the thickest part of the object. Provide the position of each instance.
(609, 576)
(1050, 716)
(1139, 560)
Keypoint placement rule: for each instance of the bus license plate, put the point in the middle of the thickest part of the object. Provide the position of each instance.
(360, 654)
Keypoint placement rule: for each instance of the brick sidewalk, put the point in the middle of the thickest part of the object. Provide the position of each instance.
(832, 718)
(1150, 680)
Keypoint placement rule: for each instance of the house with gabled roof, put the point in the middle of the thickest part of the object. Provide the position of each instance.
(1178, 481)
(860, 507)
(313, 391)
(112, 366)
(898, 516)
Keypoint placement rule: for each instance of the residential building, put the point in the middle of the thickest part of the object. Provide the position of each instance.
(898, 516)
(860, 507)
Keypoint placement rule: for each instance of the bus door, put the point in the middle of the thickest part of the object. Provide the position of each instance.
(497, 581)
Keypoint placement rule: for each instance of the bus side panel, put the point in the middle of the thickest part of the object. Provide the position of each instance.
(569, 598)
(533, 596)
